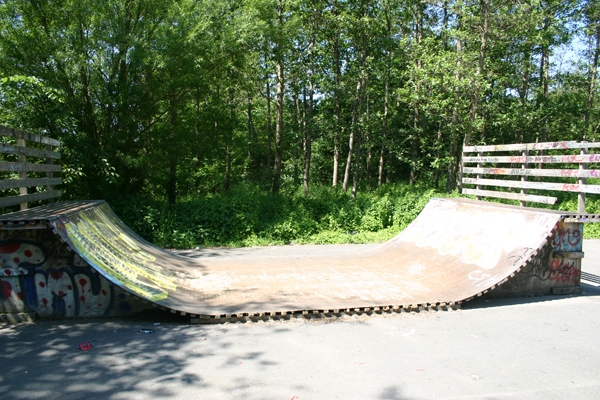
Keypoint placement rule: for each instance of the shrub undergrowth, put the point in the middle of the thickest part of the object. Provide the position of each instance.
(249, 216)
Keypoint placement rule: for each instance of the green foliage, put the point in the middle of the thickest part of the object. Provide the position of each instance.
(178, 99)
(248, 216)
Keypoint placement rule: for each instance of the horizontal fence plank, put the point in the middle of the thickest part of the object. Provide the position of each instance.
(32, 137)
(562, 187)
(27, 167)
(511, 196)
(561, 159)
(28, 151)
(557, 173)
(17, 183)
(28, 198)
(532, 146)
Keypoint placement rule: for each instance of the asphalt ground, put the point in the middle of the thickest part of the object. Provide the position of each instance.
(544, 347)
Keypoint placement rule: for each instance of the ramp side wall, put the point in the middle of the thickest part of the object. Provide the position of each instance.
(41, 277)
(547, 272)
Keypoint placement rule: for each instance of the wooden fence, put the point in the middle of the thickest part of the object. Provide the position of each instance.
(29, 160)
(496, 166)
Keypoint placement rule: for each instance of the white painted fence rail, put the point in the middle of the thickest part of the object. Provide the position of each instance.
(489, 170)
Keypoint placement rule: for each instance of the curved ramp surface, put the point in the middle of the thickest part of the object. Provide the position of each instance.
(454, 250)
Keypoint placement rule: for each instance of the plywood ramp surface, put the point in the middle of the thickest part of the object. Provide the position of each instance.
(454, 250)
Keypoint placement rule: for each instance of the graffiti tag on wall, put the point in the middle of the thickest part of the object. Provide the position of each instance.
(564, 271)
(63, 286)
(567, 237)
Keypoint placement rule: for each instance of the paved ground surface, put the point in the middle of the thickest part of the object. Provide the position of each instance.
(524, 348)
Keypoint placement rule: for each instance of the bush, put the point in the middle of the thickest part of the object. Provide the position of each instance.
(250, 216)
(247, 215)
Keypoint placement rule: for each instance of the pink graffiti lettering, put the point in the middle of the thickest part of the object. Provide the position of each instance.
(572, 159)
(570, 187)
(551, 145)
(594, 157)
(568, 172)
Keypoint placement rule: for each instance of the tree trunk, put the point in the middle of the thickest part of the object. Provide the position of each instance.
(416, 112)
(414, 147)
(521, 134)
(593, 74)
(172, 186)
(386, 100)
(337, 108)
(453, 180)
(351, 140)
(250, 131)
(308, 142)
(269, 124)
(299, 112)
(484, 6)
(436, 178)
(197, 127)
(172, 151)
(544, 76)
(369, 147)
(356, 167)
(361, 105)
(386, 110)
(229, 137)
(280, 104)
(309, 122)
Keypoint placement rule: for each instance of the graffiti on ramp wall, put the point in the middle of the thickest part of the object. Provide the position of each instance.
(38, 274)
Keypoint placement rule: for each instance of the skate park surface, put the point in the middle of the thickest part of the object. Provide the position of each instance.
(542, 347)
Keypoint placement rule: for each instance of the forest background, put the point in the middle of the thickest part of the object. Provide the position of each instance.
(241, 122)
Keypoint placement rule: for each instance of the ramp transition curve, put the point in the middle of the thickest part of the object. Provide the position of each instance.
(454, 250)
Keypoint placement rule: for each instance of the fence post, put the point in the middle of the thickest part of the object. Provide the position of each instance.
(22, 174)
(49, 174)
(581, 181)
(523, 203)
(479, 176)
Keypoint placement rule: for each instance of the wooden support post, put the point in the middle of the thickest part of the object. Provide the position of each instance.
(22, 174)
(524, 178)
(581, 181)
(460, 171)
(479, 176)
(49, 174)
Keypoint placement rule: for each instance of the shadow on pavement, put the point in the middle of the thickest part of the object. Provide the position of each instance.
(42, 360)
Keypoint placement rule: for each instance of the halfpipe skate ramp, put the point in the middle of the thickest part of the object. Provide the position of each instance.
(454, 250)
